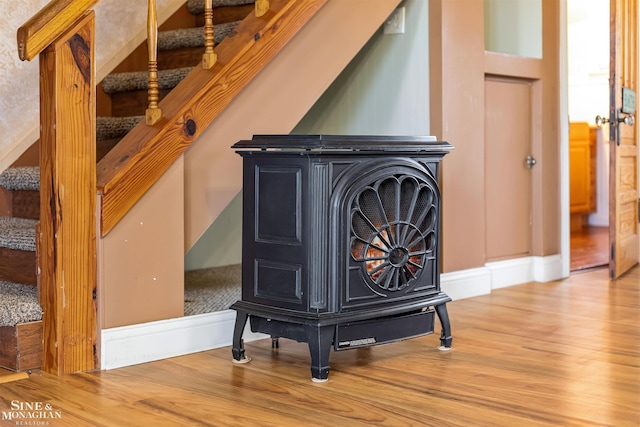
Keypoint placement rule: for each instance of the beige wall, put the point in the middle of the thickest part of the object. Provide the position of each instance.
(456, 51)
(547, 194)
(141, 277)
(458, 67)
(140, 269)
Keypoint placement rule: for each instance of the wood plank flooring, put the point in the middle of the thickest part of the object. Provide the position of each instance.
(589, 248)
(544, 354)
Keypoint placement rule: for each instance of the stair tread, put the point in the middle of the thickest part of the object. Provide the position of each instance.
(18, 304)
(28, 177)
(193, 37)
(196, 7)
(139, 80)
(21, 178)
(18, 233)
(115, 127)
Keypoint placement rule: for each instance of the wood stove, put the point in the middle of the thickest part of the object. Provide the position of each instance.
(341, 242)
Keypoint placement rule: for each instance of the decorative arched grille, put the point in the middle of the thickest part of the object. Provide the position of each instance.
(393, 230)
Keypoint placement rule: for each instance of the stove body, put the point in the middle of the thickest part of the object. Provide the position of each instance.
(341, 241)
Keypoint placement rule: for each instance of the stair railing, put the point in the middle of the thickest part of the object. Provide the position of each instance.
(153, 113)
(209, 56)
(62, 34)
(127, 171)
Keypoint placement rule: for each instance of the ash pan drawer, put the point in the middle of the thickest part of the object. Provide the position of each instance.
(383, 330)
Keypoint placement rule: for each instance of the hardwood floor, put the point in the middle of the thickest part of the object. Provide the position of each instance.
(562, 353)
(589, 248)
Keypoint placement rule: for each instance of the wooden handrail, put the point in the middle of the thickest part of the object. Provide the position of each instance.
(146, 152)
(49, 24)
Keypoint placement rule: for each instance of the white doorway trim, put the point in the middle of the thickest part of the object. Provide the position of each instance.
(565, 225)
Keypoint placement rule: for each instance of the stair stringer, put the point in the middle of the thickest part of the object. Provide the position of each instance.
(205, 180)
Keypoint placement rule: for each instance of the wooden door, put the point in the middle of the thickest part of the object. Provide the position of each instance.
(507, 178)
(623, 144)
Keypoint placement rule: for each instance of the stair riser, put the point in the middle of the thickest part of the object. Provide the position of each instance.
(131, 103)
(26, 204)
(18, 266)
(21, 347)
(180, 58)
(222, 15)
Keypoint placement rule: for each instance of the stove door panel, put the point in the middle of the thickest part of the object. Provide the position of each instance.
(279, 205)
(274, 256)
(278, 281)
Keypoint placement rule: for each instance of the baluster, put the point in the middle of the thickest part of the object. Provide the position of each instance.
(209, 56)
(153, 113)
(262, 7)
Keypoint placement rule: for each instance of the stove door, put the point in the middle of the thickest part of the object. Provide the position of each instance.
(391, 231)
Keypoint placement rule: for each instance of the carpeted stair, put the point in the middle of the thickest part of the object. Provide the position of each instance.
(211, 289)
(18, 302)
(205, 290)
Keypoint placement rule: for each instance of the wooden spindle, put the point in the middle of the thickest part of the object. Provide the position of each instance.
(209, 57)
(153, 113)
(262, 7)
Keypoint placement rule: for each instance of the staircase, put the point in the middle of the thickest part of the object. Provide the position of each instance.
(268, 75)
(121, 103)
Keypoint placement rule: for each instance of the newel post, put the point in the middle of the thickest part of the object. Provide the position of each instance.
(67, 239)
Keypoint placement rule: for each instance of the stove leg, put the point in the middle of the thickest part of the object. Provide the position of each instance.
(320, 339)
(445, 336)
(237, 348)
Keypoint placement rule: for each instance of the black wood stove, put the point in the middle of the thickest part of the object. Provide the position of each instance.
(341, 242)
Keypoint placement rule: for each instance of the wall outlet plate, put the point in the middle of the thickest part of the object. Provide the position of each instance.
(395, 22)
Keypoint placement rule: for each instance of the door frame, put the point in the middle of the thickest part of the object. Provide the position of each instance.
(565, 217)
(565, 225)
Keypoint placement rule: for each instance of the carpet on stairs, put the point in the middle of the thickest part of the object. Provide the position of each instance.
(19, 304)
(211, 289)
(206, 290)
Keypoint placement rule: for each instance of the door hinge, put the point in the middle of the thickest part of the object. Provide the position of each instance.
(613, 252)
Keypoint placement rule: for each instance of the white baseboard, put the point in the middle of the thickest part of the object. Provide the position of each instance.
(466, 283)
(526, 269)
(547, 268)
(599, 220)
(146, 342)
(500, 274)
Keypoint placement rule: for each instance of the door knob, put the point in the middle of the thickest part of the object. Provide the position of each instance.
(627, 120)
(601, 120)
(530, 161)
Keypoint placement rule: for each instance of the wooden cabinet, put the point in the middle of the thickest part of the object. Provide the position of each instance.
(582, 172)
